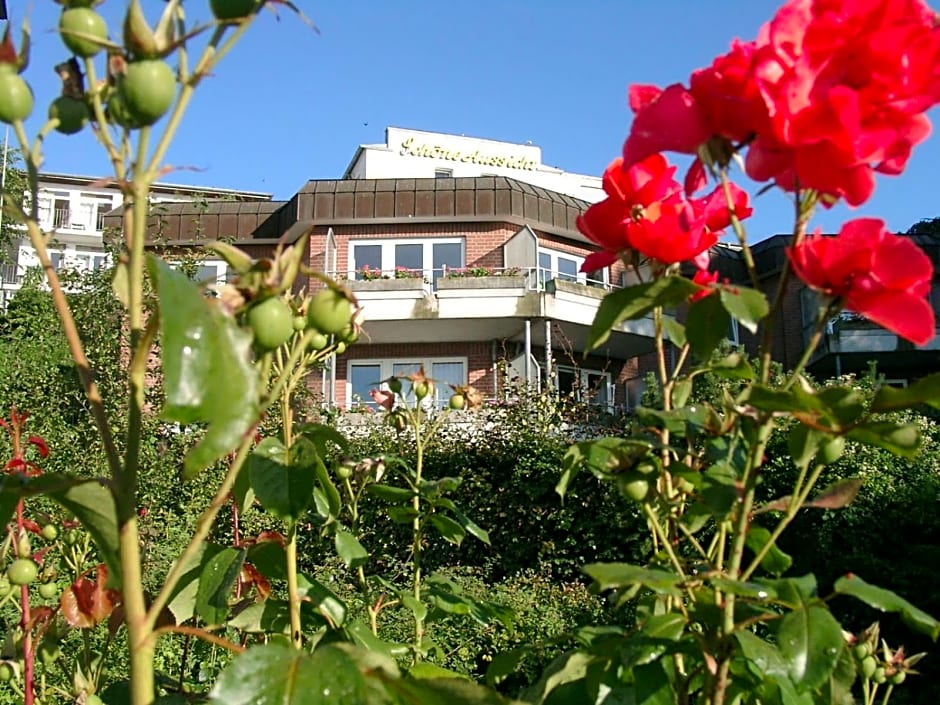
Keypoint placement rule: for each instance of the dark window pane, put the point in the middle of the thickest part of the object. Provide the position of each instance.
(567, 269)
(545, 267)
(409, 257)
(362, 378)
(446, 254)
(367, 256)
(567, 381)
(446, 374)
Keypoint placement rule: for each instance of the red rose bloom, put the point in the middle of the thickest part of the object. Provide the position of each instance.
(846, 83)
(884, 277)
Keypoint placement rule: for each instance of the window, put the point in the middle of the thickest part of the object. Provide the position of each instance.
(55, 209)
(592, 386)
(364, 375)
(210, 272)
(443, 173)
(405, 258)
(567, 267)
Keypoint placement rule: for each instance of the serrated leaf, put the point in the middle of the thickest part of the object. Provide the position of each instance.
(321, 598)
(719, 490)
(706, 326)
(389, 493)
(350, 550)
(674, 331)
(775, 562)
(764, 656)
(279, 674)
(900, 439)
(609, 576)
(208, 376)
(449, 529)
(887, 601)
(284, 491)
(748, 306)
(635, 302)
(810, 641)
(216, 580)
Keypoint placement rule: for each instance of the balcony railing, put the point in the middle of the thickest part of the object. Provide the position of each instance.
(535, 278)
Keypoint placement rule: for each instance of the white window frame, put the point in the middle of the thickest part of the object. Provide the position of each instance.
(554, 272)
(220, 266)
(386, 370)
(388, 253)
(583, 375)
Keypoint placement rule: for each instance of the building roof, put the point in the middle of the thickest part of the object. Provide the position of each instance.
(385, 201)
(47, 177)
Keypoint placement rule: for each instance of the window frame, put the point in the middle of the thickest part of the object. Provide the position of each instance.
(386, 370)
(582, 375)
(555, 273)
(387, 253)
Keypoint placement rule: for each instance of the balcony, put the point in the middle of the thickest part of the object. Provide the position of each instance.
(852, 342)
(495, 304)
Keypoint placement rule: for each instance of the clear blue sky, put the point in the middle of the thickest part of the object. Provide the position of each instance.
(290, 105)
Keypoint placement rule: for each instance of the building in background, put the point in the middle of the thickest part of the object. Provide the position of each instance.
(416, 154)
(74, 207)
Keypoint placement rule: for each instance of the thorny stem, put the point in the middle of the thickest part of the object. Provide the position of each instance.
(77, 350)
(416, 529)
(203, 526)
(739, 230)
(293, 591)
(29, 656)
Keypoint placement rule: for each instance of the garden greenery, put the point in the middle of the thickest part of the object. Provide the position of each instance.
(683, 531)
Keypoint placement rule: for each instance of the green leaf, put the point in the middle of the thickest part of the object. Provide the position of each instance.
(635, 302)
(284, 491)
(324, 600)
(764, 656)
(441, 691)
(90, 501)
(418, 608)
(923, 391)
(887, 601)
(390, 494)
(182, 602)
(361, 634)
(741, 588)
(652, 684)
(900, 439)
(334, 502)
(242, 493)
(706, 326)
(93, 505)
(567, 668)
(216, 580)
(402, 515)
(748, 306)
(804, 443)
(350, 550)
(270, 558)
(810, 641)
(504, 664)
(719, 489)
(208, 376)
(449, 529)
(323, 438)
(279, 674)
(674, 331)
(733, 366)
(471, 527)
(793, 591)
(775, 562)
(609, 576)
(844, 404)
(425, 670)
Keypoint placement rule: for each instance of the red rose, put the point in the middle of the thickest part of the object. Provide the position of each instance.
(884, 277)
(704, 279)
(846, 83)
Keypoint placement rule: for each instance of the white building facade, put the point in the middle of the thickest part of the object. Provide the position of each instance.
(73, 207)
(423, 155)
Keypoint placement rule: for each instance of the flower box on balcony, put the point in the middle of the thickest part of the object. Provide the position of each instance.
(407, 284)
(487, 282)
